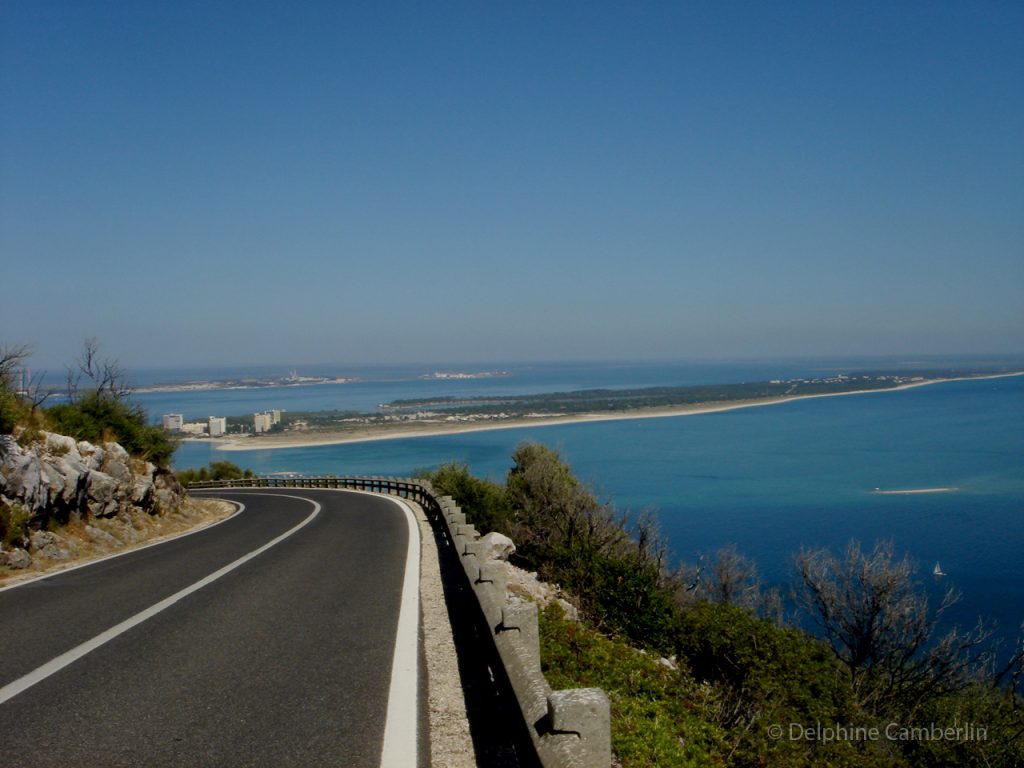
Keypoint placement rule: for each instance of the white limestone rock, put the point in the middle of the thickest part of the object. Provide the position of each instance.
(101, 536)
(44, 544)
(526, 584)
(15, 559)
(496, 546)
(58, 477)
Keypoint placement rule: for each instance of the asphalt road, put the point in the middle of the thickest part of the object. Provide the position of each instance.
(285, 659)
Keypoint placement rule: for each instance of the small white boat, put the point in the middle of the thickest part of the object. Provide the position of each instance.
(937, 571)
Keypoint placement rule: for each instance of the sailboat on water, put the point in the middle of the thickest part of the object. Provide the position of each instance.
(937, 571)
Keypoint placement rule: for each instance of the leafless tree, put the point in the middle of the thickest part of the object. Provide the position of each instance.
(648, 543)
(12, 359)
(1012, 673)
(103, 376)
(731, 577)
(20, 394)
(881, 628)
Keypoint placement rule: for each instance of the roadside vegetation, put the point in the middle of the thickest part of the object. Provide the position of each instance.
(97, 407)
(704, 666)
(215, 470)
(60, 528)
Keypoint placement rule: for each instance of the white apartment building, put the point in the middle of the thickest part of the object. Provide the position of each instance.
(194, 428)
(218, 425)
(262, 422)
(173, 422)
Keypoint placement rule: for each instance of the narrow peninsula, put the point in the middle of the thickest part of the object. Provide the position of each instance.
(450, 415)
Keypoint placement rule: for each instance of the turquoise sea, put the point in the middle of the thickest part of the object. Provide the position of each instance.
(769, 479)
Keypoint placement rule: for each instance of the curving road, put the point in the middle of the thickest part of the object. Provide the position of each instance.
(266, 640)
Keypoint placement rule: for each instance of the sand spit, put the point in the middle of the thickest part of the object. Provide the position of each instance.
(436, 429)
(912, 491)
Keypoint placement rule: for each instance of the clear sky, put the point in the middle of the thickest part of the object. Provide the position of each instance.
(197, 182)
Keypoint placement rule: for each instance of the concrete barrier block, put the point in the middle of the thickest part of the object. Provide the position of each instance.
(583, 713)
(494, 573)
(519, 628)
(570, 729)
(489, 586)
(470, 559)
(490, 603)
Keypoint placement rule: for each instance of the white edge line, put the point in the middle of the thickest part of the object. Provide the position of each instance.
(129, 551)
(401, 739)
(39, 674)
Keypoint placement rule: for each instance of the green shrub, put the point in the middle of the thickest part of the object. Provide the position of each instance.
(13, 523)
(10, 410)
(485, 502)
(978, 706)
(100, 418)
(627, 598)
(768, 676)
(218, 470)
(660, 716)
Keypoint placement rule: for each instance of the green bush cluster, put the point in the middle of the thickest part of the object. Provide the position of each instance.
(660, 716)
(12, 410)
(14, 520)
(98, 413)
(562, 531)
(485, 503)
(101, 417)
(216, 470)
(743, 684)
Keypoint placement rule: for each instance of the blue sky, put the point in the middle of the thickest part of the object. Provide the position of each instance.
(199, 182)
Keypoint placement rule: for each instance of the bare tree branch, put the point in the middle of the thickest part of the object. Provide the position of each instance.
(881, 628)
(12, 359)
(105, 377)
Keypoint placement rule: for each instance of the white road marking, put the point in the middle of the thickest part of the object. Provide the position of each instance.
(401, 740)
(53, 666)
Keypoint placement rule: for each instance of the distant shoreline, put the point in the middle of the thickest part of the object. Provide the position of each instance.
(376, 433)
(913, 491)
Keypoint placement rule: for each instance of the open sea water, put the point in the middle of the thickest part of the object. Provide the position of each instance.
(769, 480)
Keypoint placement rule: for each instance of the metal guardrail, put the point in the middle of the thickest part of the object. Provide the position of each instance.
(569, 729)
(412, 489)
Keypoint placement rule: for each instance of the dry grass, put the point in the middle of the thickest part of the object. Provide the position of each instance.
(81, 541)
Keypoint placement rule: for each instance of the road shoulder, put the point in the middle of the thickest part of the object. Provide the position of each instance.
(450, 742)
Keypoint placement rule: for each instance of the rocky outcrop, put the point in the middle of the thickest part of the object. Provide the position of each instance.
(59, 479)
(496, 546)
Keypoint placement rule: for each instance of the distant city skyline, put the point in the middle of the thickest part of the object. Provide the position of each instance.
(214, 183)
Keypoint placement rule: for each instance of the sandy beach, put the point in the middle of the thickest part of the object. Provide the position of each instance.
(402, 431)
(913, 491)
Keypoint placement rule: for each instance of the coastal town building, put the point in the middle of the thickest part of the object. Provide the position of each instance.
(193, 428)
(262, 422)
(218, 426)
(173, 422)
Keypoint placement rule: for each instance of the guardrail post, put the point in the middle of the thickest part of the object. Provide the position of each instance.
(580, 722)
(519, 627)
